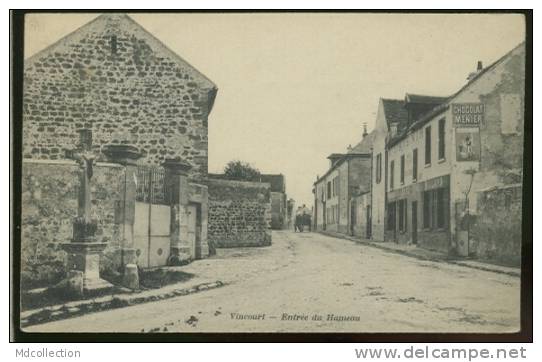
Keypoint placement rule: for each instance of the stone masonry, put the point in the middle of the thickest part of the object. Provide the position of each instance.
(496, 231)
(49, 196)
(114, 77)
(239, 213)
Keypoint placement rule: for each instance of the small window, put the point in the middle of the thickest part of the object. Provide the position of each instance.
(441, 138)
(378, 168)
(428, 145)
(402, 169)
(415, 165)
(329, 189)
(392, 171)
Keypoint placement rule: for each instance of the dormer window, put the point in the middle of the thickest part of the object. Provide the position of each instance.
(393, 130)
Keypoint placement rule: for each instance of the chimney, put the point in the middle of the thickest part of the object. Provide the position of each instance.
(479, 68)
(349, 148)
(365, 130)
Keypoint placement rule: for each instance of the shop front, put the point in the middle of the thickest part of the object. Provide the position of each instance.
(420, 214)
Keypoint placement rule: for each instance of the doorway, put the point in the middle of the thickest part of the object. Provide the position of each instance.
(414, 222)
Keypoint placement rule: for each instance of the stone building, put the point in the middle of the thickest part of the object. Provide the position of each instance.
(278, 197)
(399, 166)
(279, 214)
(452, 170)
(348, 176)
(113, 77)
(391, 117)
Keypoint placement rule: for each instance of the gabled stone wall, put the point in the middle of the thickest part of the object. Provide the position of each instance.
(114, 77)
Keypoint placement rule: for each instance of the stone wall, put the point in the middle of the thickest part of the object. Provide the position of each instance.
(496, 230)
(114, 77)
(502, 130)
(49, 205)
(239, 213)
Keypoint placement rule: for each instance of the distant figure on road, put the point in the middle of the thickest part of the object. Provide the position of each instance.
(298, 225)
(302, 218)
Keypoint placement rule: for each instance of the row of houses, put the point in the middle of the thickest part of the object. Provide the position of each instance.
(444, 173)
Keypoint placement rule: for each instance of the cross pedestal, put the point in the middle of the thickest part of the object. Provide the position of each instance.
(83, 250)
(84, 257)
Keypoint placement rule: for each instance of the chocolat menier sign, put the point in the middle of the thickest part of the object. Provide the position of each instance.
(468, 114)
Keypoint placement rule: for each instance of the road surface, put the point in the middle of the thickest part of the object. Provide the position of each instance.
(314, 283)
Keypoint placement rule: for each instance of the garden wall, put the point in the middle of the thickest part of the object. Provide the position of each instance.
(239, 213)
(49, 205)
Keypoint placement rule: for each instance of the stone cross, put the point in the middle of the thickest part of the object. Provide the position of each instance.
(84, 226)
(83, 250)
(85, 159)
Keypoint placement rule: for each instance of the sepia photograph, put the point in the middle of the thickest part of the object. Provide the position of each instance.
(272, 172)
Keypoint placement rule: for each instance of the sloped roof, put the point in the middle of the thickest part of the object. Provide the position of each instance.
(424, 99)
(395, 111)
(122, 21)
(445, 104)
(340, 161)
(485, 70)
(365, 145)
(395, 114)
(335, 156)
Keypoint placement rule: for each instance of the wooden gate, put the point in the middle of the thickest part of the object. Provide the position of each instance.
(152, 218)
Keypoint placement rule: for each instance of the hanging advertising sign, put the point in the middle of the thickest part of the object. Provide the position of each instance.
(467, 114)
(467, 144)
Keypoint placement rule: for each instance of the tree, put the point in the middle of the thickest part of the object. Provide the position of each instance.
(241, 171)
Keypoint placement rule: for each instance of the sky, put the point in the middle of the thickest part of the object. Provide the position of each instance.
(296, 87)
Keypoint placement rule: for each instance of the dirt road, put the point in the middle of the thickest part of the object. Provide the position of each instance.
(314, 283)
